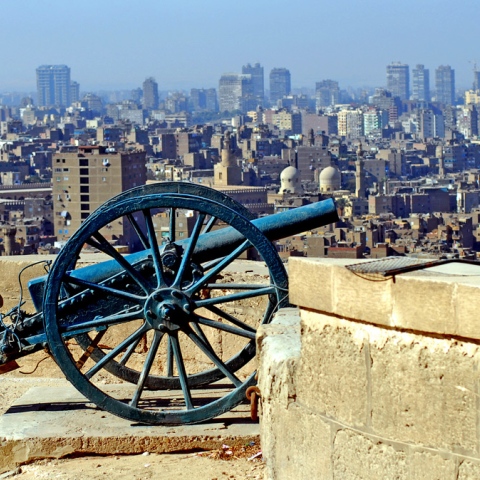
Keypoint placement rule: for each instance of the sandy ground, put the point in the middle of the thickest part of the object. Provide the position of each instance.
(219, 464)
(159, 467)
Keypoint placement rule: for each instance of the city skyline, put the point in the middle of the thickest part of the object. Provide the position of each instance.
(117, 45)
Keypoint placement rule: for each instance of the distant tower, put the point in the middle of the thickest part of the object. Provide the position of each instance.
(235, 92)
(476, 78)
(398, 80)
(445, 84)
(359, 174)
(280, 84)
(53, 86)
(256, 71)
(441, 160)
(75, 91)
(150, 94)
(421, 84)
(227, 172)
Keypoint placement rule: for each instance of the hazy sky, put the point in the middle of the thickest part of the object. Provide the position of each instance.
(116, 44)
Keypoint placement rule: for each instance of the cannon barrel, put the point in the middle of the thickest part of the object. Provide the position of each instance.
(214, 244)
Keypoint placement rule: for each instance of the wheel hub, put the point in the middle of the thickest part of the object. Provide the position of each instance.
(167, 309)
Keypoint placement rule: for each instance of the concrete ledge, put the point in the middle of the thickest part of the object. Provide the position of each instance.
(56, 422)
(441, 300)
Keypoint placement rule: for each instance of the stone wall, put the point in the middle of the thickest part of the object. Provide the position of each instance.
(225, 345)
(372, 380)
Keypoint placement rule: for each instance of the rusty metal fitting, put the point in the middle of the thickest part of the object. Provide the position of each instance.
(253, 395)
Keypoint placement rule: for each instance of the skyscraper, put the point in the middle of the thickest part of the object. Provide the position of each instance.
(74, 91)
(235, 92)
(150, 94)
(476, 79)
(327, 93)
(445, 84)
(211, 100)
(203, 99)
(421, 84)
(53, 86)
(256, 71)
(398, 80)
(280, 84)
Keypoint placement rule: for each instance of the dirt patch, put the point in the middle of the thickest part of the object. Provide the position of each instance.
(145, 466)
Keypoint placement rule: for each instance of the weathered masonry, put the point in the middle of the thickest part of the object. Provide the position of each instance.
(373, 380)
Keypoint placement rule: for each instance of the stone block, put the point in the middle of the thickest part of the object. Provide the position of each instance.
(426, 465)
(361, 299)
(278, 350)
(327, 286)
(424, 391)
(358, 457)
(331, 377)
(310, 283)
(467, 306)
(301, 449)
(468, 470)
(9, 281)
(421, 303)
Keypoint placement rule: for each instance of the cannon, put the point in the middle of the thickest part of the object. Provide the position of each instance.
(124, 331)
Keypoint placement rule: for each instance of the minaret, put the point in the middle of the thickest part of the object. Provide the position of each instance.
(441, 160)
(227, 172)
(228, 159)
(9, 240)
(359, 174)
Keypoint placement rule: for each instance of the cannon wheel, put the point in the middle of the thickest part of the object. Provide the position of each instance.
(164, 308)
(155, 382)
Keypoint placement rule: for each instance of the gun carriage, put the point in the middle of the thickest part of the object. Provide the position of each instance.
(136, 320)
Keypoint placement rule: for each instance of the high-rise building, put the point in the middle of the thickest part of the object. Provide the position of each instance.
(421, 84)
(280, 84)
(211, 100)
(374, 120)
(256, 71)
(203, 99)
(467, 121)
(235, 92)
(350, 123)
(476, 79)
(445, 84)
(398, 80)
(150, 94)
(53, 86)
(430, 124)
(327, 93)
(74, 92)
(86, 177)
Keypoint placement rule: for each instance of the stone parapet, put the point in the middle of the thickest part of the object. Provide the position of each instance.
(440, 300)
(372, 380)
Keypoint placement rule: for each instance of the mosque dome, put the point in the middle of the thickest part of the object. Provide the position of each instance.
(290, 181)
(330, 180)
